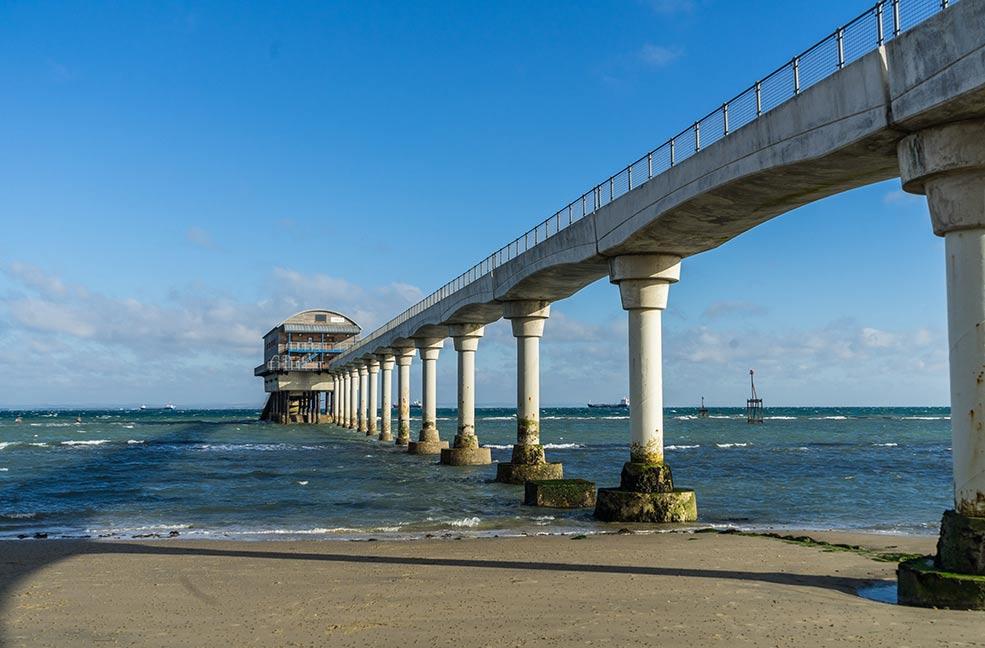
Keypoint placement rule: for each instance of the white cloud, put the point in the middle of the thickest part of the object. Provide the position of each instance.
(201, 238)
(658, 55)
(729, 308)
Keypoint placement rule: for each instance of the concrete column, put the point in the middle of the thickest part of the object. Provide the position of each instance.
(404, 356)
(386, 378)
(363, 397)
(373, 365)
(528, 461)
(335, 398)
(354, 397)
(646, 492)
(465, 450)
(947, 164)
(428, 442)
(346, 414)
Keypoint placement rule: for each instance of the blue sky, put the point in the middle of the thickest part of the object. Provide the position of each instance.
(180, 177)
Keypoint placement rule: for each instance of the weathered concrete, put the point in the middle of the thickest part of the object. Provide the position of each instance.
(617, 505)
(373, 366)
(363, 396)
(527, 461)
(347, 397)
(428, 441)
(947, 164)
(386, 379)
(465, 450)
(404, 357)
(561, 493)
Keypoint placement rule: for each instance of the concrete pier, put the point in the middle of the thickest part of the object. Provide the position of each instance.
(335, 398)
(404, 356)
(386, 408)
(465, 450)
(373, 367)
(354, 396)
(363, 396)
(528, 461)
(947, 164)
(346, 397)
(646, 492)
(428, 441)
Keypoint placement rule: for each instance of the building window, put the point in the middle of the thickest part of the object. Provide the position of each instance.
(320, 318)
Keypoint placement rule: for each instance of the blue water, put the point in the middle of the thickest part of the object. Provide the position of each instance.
(223, 474)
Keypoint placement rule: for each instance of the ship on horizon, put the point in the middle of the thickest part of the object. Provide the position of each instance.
(623, 403)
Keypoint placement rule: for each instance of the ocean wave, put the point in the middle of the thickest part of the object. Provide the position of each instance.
(925, 418)
(886, 445)
(726, 417)
(496, 446)
(19, 516)
(780, 418)
(732, 445)
(94, 442)
(466, 522)
(4, 469)
(133, 442)
(682, 447)
(547, 446)
(505, 418)
(686, 417)
(829, 418)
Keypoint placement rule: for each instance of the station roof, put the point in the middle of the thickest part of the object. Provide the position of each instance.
(350, 329)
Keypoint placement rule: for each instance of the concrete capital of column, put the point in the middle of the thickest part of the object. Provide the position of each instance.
(644, 279)
(373, 364)
(466, 336)
(428, 348)
(386, 358)
(363, 369)
(527, 317)
(404, 355)
(947, 164)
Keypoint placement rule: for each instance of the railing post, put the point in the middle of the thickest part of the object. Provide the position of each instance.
(697, 136)
(584, 204)
(570, 220)
(612, 184)
(649, 165)
(840, 36)
(725, 117)
(629, 172)
(759, 98)
(880, 35)
(796, 75)
(896, 22)
(672, 151)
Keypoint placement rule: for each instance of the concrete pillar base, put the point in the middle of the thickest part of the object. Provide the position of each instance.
(560, 493)
(386, 436)
(402, 441)
(511, 473)
(646, 478)
(466, 456)
(426, 447)
(955, 577)
(617, 505)
(370, 432)
(922, 584)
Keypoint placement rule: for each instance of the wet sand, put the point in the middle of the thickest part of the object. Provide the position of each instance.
(672, 589)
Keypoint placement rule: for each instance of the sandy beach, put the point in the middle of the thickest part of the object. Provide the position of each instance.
(669, 589)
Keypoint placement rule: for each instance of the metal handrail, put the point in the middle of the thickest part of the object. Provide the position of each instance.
(866, 33)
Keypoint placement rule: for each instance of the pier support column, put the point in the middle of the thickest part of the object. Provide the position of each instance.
(353, 397)
(405, 355)
(646, 492)
(386, 407)
(373, 366)
(334, 402)
(528, 461)
(947, 164)
(346, 397)
(428, 441)
(465, 450)
(363, 395)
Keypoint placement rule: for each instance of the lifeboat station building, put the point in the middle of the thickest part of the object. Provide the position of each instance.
(296, 354)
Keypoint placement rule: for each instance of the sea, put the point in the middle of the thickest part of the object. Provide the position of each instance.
(224, 474)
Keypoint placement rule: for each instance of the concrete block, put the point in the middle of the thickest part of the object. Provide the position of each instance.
(466, 456)
(426, 447)
(560, 493)
(922, 584)
(617, 505)
(509, 473)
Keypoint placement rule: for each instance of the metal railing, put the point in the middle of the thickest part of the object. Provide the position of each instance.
(286, 363)
(869, 31)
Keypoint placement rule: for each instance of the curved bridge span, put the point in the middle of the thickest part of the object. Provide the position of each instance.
(898, 92)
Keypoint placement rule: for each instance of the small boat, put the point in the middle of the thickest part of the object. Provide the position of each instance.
(413, 405)
(143, 407)
(170, 406)
(623, 403)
